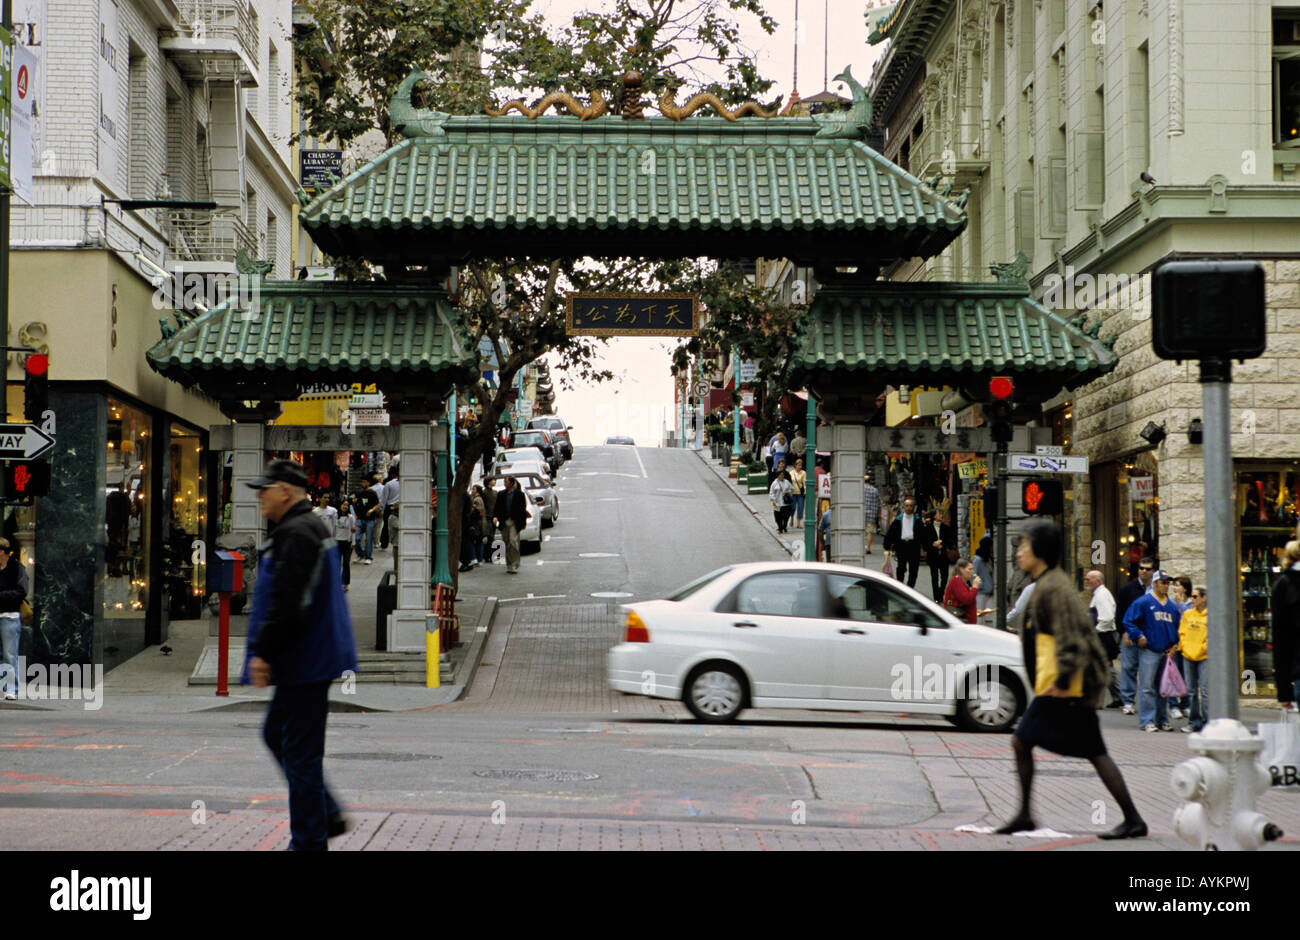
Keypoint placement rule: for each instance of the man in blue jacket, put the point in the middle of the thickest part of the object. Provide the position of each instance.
(1152, 626)
(299, 640)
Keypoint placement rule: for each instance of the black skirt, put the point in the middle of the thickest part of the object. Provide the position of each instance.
(1065, 726)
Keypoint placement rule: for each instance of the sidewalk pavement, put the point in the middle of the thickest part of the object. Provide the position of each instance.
(185, 679)
(758, 504)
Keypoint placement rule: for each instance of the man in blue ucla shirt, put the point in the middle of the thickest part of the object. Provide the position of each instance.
(1152, 625)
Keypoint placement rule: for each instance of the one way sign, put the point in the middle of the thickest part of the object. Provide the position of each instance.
(23, 441)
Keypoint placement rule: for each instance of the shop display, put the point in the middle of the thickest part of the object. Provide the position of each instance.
(1266, 512)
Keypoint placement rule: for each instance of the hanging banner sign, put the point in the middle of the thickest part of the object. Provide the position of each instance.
(1141, 489)
(614, 314)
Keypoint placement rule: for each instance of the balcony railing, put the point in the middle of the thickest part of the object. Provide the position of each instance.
(208, 238)
(215, 37)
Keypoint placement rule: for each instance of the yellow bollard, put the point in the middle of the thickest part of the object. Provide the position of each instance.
(432, 654)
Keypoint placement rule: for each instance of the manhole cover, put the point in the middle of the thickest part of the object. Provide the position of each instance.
(380, 755)
(555, 776)
(332, 725)
(1066, 773)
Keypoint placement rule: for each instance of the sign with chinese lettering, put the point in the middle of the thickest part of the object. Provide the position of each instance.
(936, 440)
(632, 315)
(317, 167)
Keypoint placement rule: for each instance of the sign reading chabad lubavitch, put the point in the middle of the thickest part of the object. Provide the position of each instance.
(615, 314)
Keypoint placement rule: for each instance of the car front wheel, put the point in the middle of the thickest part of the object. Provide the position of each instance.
(715, 693)
(992, 703)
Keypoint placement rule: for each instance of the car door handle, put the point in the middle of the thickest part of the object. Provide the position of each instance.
(745, 623)
(853, 632)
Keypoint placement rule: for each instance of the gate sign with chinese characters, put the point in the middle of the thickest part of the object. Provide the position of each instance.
(632, 315)
(932, 440)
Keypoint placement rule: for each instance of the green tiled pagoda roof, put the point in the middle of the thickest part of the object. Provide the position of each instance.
(607, 186)
(302, 332)
(930, 332)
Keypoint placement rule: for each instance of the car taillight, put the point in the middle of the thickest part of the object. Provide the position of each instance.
(636, 631)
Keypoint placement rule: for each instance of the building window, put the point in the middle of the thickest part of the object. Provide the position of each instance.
(1286, 78)
(185, 581)
(127, 513)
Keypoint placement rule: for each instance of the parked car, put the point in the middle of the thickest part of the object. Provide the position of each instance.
(542, 441)
(558, 430)
(524, 458)
(620, 440)
(834, 637)
(530, 539)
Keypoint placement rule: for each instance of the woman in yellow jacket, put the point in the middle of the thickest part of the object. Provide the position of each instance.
(1194, 647)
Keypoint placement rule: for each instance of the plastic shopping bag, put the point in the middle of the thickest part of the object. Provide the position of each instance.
(1281, 751)
(1171, 683)
(888, 567)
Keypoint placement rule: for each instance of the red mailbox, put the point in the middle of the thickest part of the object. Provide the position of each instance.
(227, 576)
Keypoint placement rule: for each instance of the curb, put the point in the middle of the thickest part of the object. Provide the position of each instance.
(464, 676)
(726, 479)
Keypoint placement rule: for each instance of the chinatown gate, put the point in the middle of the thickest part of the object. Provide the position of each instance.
(592, 184)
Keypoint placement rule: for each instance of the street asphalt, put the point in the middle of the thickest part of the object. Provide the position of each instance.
(539, 754)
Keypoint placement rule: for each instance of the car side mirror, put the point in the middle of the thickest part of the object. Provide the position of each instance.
(921, 621)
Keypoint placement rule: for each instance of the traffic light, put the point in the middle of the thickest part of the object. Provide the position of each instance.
(1041, 497)
(23, 478)
(1001, 388)
(990, 504)
(36, 397)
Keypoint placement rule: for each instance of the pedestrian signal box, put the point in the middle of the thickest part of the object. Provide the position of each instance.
(1042, 497)
(25, 478)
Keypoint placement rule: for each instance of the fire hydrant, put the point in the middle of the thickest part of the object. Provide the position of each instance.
(1220, 788)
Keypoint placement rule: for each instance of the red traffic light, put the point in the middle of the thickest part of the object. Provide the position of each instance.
(1001, 387)
(38, 364)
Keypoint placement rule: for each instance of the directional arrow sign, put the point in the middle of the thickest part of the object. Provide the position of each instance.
(23, 441)
(1036, 463)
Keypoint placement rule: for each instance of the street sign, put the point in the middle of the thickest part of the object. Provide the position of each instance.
(23, 441)
(317, 167)
(1049, 450)
(1032, 463)
(746, 371)
(702, 389)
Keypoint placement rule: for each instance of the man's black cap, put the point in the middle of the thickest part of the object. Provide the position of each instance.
(281, 471)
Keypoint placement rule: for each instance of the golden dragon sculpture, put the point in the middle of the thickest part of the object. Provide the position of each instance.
(559, 98)
(668, 108)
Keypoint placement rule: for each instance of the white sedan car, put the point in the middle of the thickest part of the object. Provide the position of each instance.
(789, 635)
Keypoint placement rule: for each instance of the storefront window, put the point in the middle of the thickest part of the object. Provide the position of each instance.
(1266, 514)
(185, 580)
(126, 590)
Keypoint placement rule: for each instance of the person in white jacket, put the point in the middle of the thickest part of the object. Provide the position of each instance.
(781, 492)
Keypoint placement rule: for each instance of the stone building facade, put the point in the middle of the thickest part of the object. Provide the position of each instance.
(1099, 139)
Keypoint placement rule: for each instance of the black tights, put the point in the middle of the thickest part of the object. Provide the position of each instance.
(1102, 763)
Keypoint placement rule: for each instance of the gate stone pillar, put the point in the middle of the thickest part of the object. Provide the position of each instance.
(414, 556)
(247, 464)
(848, 516)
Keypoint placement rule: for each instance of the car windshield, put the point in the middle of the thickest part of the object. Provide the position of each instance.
(684, 592)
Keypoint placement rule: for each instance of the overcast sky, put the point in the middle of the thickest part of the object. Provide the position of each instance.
(640, 401)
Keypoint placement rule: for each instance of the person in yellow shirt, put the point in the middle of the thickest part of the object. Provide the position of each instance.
(1069, 672)
(1192, 643)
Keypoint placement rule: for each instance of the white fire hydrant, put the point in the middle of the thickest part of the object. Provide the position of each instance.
(1220, 788)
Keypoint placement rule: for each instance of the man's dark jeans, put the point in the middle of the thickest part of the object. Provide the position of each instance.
(295, 733)
(389, 512)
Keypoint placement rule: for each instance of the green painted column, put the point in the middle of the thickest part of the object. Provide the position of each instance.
(810, 483)
(735, 419)
(441, 570)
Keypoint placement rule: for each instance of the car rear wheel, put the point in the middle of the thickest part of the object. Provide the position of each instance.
(992, 703)
(715, 692)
